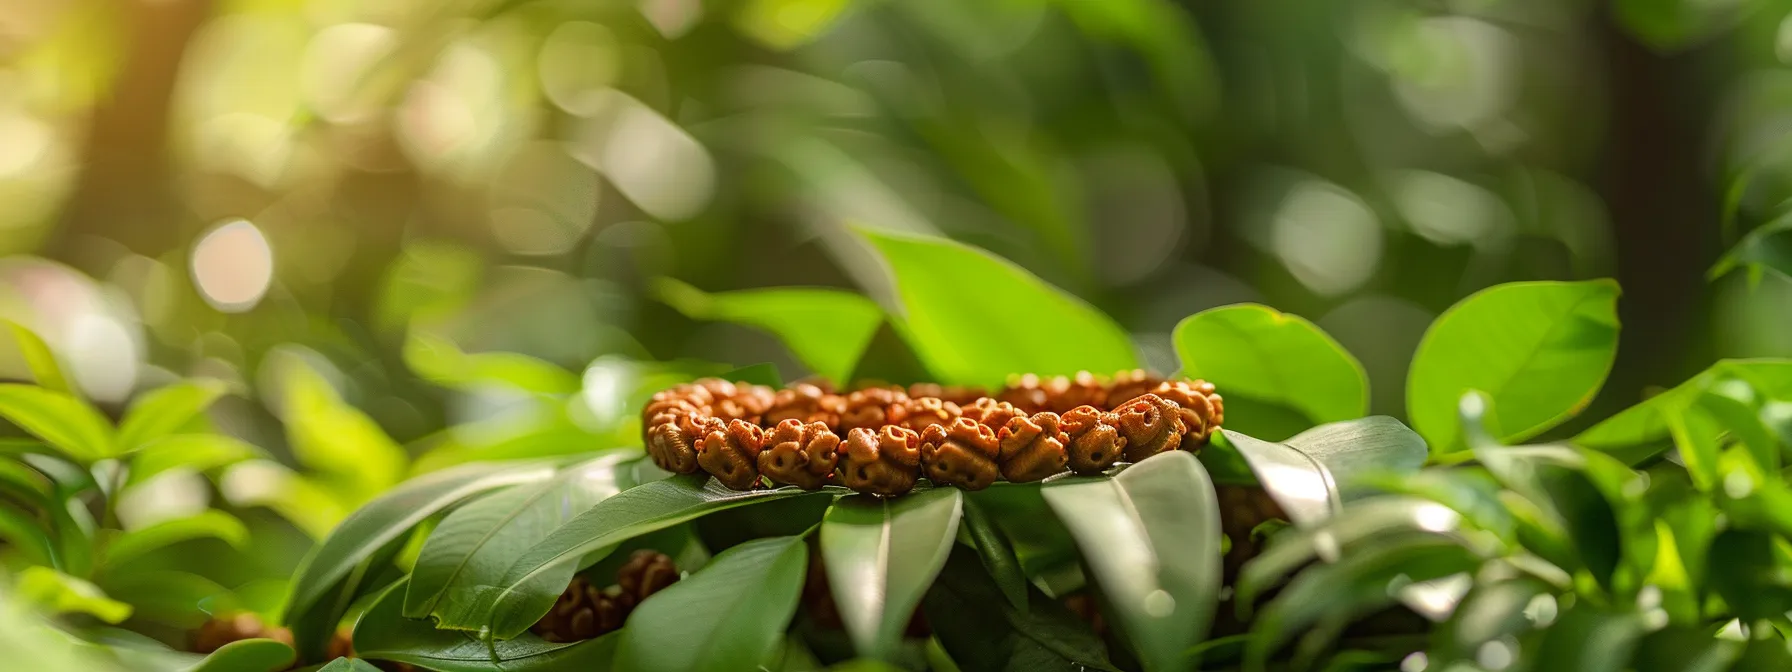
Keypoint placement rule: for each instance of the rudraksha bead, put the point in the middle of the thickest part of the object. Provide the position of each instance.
(584, 611)
(963, 454)
(1151, 425)
(1026, 392)
(747, 403)
(233, 627)
(921, 412)
(1063, 393)
(873, 407)
(992, 413)
(956, 394)
(1126, 385)
(885, 463)
(671, 449)
(1200, 409)
(731, 453)
(1095, 442)
(646, 572)
(1032, 448)
(803, 455)
(804, 402)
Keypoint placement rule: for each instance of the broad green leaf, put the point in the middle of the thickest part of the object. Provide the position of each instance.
(1647, 422)
(1256, 352)
(349, 665)
(1765, 248)
(974, 318)
(996, 552)
(165, 411)
(465, 556)
(40, 359)
(165, 596)
(1490, 611)
(1587, 639)
(1539, 350)
(1368, 522)
(981, 630)
(384, 633)
(1301, 485)
(248, 655)
(58, 593)
(317, 596)
(537, 577)
(335, 438)
(1151, 538)
(63, 421)
(730, 615)
(199, 452)
(23, 531)
(210, 523)
(1686, 649)
(440, 361)
(881, 554)
(758, 374)
(1353, 449)
(827, 329)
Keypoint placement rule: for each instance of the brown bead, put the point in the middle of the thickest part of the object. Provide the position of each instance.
(646, 572)
(1033, 448)
(1127, 385)
(688, 392)
(747, 403)
(716, 388)
(873, 407)
(234, 627)
(1025, 392)
(956, 394)
(666, 409)
(804, 402)
(731, 453)
(992, 413)
(886, 462)
(963, 455)
(1095, 441)
(1199, 411)
(1063, 393)
(671, 449)
(919, 413)
(1151, 425)
(803, 455)
(610, 608)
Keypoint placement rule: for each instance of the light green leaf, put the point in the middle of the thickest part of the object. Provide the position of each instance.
(881, 554)
(319, 594)
(537, 577)
(1151, 538)
(1371, 520)
(1255, 352)
(63, 421)
(166, 410)
(211, 523)
(335, 438)
(349, 665)
(40, 359)
(465, 556)
(1540, 350)
(440, 361)
(787, 24)
(730, 615)
(384, 633)
(58, 593)
(1301, 485)
(1354, 449)
(983, 631)
(826, 329)
(1646, 423)
(199, 452)
(981, 337)
(248, 655)
(1767, 247)
(996, 552)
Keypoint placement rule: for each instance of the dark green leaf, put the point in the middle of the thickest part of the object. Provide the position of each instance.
(1301, 485)
(40, 360)
(997, 554)
(881, 554)
(1585, 639)
(166, 410)
(1151, 538)
(982, 631)
(730, 615)
(1765, 248)
(827, 329)
(1687, 649)
(248, 655)
(1368, 523)
(1742, 570)
(983, 342)
(63, 421)
(531, 584)
(23, 531)
(1646, 422)
(165, 596)
(1491, 611)
(211, 523)
(383, 633)
(1540, 350)
(1254, 351)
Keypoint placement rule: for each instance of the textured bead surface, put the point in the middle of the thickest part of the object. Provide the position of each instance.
(646, 572)
(803, 455)
(873, 407)
(671, 449)
(886, 462)
(731, 453)
(1151, 425)
(804, 402)
(993, 414)
(1198, 409)
(1033, 448)
(963, 454)
(920, 413)
(1094, 439)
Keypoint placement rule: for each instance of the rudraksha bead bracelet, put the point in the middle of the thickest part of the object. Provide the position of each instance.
(881, 439)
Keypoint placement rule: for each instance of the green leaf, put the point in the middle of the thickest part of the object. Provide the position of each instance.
(981, 336)
(1368, 523)
(1765, 248)
(996, 552)
(466, 555)
(328, 577)
(40, 359)
(335, 438)
(199, 452)
(537, 577)
(1301, 485)
(58, 593)
(1151, 538)
(1647, 422)
(23, 531)
(440, 361)
(758, 374)
(826, 329)
(349, 665)
(1586, 639)
(165, 411)
(1539, 350)
(166, 596)
(248, 655)
(1356, 449)
(210, 523)
(730, 615)
(384, 633)
(63, 421)
(881, 554)
(983, 631)
(1256, 352)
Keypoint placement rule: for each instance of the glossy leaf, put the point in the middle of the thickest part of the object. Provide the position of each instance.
(384, 633)
(534, 580)
(1367, 523)
(1301, 485)
(58, 593)
(730, 615)
(982, 338)
(1539, 350)
(881, 554)
(976, 624)
(63, 421)
(199, 452)
(211, 523)
(1256, 352)
(827, 329)
(1647, 422)
(248, 655)
(469, 551)
(318, 584)
(40, 359)
(764, 373)
(1151, 538)
(996, 553)
(166, 410)
(1765, 248)
(1353, 449)
(440, 361)
(349, 665)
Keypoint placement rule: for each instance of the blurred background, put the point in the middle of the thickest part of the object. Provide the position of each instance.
(258, 191)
